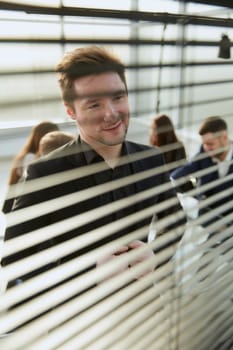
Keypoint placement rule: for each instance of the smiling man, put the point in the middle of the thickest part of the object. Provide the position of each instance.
(95, 95)
(102, 114)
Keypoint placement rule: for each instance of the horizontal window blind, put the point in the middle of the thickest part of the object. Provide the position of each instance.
(185, 303)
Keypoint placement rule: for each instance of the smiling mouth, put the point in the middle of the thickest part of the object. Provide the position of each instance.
(113, 127)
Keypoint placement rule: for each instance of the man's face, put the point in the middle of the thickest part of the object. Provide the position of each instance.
(214, 144)
(101, 109)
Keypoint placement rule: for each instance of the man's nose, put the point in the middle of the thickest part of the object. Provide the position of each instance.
(210, 149)
(110, 111)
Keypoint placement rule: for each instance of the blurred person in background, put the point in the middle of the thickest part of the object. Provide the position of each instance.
(26, 155)
(53, 140)
(163, 135)
(29, 151)
(216, 155)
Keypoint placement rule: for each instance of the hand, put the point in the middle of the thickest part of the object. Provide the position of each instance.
(146, 255)
(114, 256)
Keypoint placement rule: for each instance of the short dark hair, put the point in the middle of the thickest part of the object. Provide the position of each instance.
(213, 124)
(86, 61)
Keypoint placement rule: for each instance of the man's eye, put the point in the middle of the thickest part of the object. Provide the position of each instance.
(93, 105)
(119, 97)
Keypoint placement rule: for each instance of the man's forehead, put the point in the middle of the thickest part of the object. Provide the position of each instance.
(211, 136)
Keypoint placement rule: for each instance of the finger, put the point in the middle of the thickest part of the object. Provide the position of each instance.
(136, 244)
(121, 250)
(105, 260)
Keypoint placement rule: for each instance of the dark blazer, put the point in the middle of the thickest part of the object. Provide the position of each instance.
(200, 163)
(72, 157)
(175, 154)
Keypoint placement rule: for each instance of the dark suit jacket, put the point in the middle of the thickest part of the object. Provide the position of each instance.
(72, 157)
(197, 164)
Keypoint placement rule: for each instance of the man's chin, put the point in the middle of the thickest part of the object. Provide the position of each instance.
(115, 140)
(217, 155)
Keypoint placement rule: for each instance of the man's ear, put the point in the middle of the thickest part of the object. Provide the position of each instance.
(70, 111)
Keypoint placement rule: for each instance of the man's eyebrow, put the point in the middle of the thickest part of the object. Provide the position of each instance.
(102, 94)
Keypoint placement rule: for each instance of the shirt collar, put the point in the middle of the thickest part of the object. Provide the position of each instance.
(91, 155)
(230, 153)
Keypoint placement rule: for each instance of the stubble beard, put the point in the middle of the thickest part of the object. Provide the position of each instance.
(115, 140)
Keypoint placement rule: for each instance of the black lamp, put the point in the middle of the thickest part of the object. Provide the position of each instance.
(224, 47)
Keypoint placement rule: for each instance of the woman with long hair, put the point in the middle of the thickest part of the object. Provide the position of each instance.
(30, 150)
(163, 135)
(27, 154)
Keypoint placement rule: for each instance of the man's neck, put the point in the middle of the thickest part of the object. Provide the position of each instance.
(222, 156)
(111, 154)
